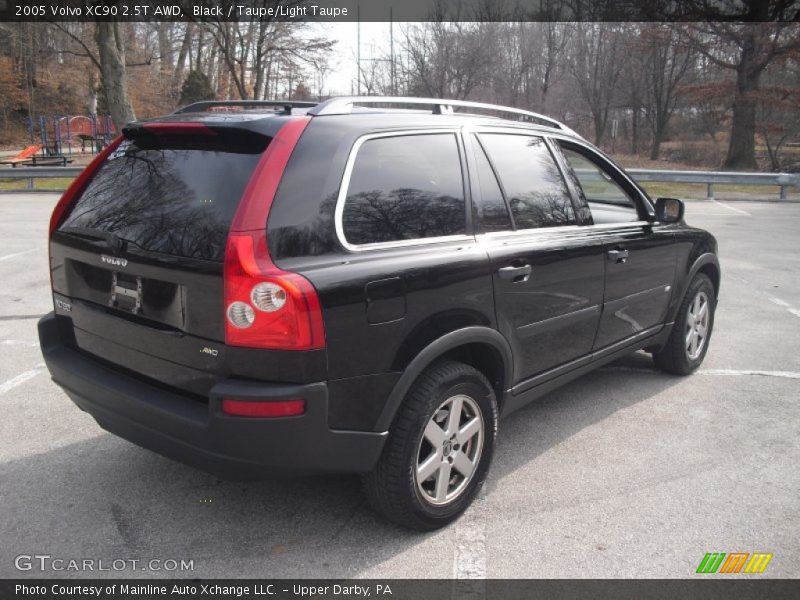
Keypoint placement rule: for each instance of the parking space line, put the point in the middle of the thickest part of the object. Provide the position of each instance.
(16, 254)
(773, 299)
(20, 379)
(783, 374)
(741, 372)
(469, 560)
(778, 301)
(731, 208)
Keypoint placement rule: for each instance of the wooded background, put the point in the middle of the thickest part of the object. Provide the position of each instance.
(700, 94)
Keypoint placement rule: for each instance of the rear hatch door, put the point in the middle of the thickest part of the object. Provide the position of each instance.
(138, 260)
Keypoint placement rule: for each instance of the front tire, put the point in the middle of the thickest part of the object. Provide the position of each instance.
(688, 342)
(439, 449)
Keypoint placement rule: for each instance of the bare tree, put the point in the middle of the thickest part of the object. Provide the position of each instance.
(664, 61)
(111, 51)
(747, 50)
(596, 63)
(448, 60)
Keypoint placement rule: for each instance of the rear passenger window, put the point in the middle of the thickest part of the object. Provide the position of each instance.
(536, 191)
(405, 188)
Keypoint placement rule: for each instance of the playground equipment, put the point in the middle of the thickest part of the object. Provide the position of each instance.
(22, 157)
(58, 135)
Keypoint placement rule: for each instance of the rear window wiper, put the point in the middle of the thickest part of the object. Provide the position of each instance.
(112, 240)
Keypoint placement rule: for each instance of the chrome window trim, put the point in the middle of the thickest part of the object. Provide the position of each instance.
(543, 231)
(577, 140)
(348, 171)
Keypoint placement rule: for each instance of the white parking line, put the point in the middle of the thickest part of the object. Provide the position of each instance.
(784, 374)
(740, 372)
(469, 560)
(778, 301)
(731, 208)
(20, 379)
(773, 299)
(16, 254)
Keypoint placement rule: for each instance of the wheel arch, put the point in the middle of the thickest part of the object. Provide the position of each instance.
(480, 347)
(711, 270)
(708, 264)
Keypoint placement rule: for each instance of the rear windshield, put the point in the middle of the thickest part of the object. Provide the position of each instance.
(170, 194)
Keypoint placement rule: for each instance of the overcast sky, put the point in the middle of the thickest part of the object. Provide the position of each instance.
(374, 42)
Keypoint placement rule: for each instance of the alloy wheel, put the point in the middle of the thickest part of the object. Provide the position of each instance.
(450, 450)
(696, 332)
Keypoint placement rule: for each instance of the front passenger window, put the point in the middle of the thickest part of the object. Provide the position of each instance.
(608, 202)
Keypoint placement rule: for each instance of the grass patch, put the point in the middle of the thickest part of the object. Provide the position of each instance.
(49, 184)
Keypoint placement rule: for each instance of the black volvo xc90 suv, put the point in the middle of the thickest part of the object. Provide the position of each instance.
(359, 286)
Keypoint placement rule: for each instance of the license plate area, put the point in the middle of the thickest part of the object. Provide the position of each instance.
(126, 292)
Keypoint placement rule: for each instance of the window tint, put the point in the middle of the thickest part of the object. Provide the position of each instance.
(170, 194)
(608, 202)
(532, 181)
(494, 212)
(405, 187)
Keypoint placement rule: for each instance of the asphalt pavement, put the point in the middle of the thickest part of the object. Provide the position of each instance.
(626, 472)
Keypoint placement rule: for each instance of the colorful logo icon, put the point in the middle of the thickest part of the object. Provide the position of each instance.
(736, 562)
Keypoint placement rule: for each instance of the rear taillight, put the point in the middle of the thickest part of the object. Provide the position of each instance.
(267, 307)
(263, 408)
(79, 184)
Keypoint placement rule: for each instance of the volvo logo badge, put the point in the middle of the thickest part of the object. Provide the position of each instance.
(114, 261)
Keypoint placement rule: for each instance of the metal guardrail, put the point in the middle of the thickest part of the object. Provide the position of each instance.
(781, 180)
(31, 173)
(709, 178)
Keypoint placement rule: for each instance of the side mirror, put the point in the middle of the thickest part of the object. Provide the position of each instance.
(669, 210)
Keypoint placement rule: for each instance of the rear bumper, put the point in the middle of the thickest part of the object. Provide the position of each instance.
(199, 434)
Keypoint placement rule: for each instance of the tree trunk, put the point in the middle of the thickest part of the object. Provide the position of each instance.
(182, 54)
(91, 105)
(111, 48)
(655, 148)
(742, 145)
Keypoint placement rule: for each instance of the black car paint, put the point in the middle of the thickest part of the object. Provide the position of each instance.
(388, 313)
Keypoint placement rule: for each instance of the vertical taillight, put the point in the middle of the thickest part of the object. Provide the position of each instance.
(267, 307)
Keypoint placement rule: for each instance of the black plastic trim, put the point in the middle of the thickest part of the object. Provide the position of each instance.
(449, 341)
(199, 434)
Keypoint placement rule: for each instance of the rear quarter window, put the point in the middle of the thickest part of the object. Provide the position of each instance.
(404, 187)
(173, 194)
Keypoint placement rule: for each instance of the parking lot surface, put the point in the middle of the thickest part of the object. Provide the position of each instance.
(626, 472)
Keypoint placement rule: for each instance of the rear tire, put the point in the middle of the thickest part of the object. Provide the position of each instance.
(439, 449)
(688, 342)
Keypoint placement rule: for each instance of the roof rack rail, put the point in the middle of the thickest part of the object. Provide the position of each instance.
(344, 105)
(287, 105)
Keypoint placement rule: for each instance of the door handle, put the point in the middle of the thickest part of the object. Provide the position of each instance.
(618, 256)
(516, 274)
